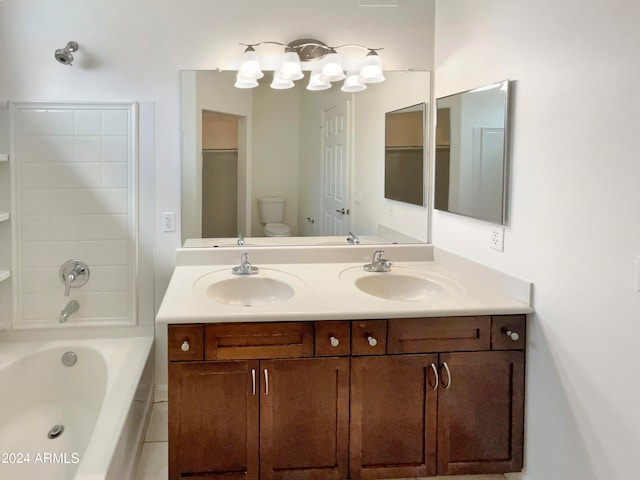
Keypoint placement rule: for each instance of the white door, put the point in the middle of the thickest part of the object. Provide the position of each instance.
(335, 188)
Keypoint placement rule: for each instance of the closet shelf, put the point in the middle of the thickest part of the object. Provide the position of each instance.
(4, 217)
(4, 274)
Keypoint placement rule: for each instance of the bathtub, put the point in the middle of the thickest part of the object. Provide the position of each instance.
(102, 403)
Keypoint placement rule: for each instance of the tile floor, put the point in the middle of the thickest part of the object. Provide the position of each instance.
(154, 461)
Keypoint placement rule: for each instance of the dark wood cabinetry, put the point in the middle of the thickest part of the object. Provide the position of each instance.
(362, 399)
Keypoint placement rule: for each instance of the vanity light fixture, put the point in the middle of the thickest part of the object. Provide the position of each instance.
(325, 64)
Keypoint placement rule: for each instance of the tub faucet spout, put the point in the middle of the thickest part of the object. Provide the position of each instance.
(66, 312)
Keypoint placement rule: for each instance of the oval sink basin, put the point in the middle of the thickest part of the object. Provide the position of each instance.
(268, 287)
(402, 284)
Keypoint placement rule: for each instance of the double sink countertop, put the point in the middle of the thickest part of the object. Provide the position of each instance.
(298, 283)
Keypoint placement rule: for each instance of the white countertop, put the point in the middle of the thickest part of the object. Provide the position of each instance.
(322, 294)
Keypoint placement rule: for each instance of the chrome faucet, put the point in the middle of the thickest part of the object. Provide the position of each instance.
(66, 312)
(352, 239)
(245, 267)
(378, 264)
(240, 241)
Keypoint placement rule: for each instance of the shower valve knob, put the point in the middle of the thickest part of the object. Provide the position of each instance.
(185, 346)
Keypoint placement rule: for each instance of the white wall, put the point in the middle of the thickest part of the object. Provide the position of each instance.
(573, 214)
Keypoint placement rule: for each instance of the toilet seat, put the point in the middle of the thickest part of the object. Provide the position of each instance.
(276, 230)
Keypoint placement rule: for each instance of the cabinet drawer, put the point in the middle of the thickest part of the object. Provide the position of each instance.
(439, 334)
(369, 337)
(258, 340)
(185, 342)
(333, 338)
(508, 332)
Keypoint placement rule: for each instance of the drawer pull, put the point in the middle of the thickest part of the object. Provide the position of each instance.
(435, 372)
(372, 341)
(185, 346)
(334, 341)
(515, 336)
(446, 367)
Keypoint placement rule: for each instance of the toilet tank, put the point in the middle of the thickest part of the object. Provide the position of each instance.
(271, 209)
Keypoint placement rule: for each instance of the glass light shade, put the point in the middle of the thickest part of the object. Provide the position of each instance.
(281, 83)
(315, 83)
(250, 65)
(243, 83)
(290, 68)
(332, 68)
(352, 83)
(371, 71)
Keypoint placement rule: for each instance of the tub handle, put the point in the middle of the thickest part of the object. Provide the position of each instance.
(185, 346)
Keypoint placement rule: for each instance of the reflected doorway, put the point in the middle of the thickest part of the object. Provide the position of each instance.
(219, 174)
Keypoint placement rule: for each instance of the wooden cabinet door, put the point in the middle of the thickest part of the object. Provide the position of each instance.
(393, 416)
(481, 413)
(304, 419)
(213, 420)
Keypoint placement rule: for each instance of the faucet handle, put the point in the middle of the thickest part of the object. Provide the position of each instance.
(74, 273)
(377, 256)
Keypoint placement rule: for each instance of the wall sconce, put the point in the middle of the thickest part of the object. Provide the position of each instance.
(325, 65)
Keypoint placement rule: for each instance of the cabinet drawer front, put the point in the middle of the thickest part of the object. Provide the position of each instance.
(258, 340)
(333, 338)
(369, 337)
(439, 334)
(185, 342)
(508, 332)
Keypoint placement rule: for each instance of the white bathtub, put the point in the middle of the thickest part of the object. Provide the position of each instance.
(102, 401)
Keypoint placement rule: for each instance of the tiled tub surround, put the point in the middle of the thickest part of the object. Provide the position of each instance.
(74, 196)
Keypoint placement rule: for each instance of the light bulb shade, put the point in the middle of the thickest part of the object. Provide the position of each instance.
(315, 83)
(352, 83)
(290, 67)
(332, 68)
(250, 65)
(371, 71)
(243, 83)
(281, 83)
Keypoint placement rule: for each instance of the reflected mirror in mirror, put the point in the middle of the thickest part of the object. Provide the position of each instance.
(241, 145)
(404, 154)
(471, 153)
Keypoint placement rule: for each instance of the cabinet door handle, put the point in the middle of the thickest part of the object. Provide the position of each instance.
(185, 346)
(266, 382)
(446, 367)
(334, 341)
(253, 381)
(435, 372)
(372, 341)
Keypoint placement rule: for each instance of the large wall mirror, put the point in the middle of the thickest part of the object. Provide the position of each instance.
(322, 151)
(471, 153)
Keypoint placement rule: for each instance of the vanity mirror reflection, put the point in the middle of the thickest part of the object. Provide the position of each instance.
(471, 153)
(278, 148)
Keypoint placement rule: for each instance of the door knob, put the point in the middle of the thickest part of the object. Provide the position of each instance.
(343, 211)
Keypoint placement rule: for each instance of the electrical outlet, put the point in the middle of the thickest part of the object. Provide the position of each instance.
(496, 238)
(168, 222)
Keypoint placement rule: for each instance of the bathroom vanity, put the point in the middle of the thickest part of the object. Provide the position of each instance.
(364, 387)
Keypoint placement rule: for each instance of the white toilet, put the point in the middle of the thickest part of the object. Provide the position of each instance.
(271, 213)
